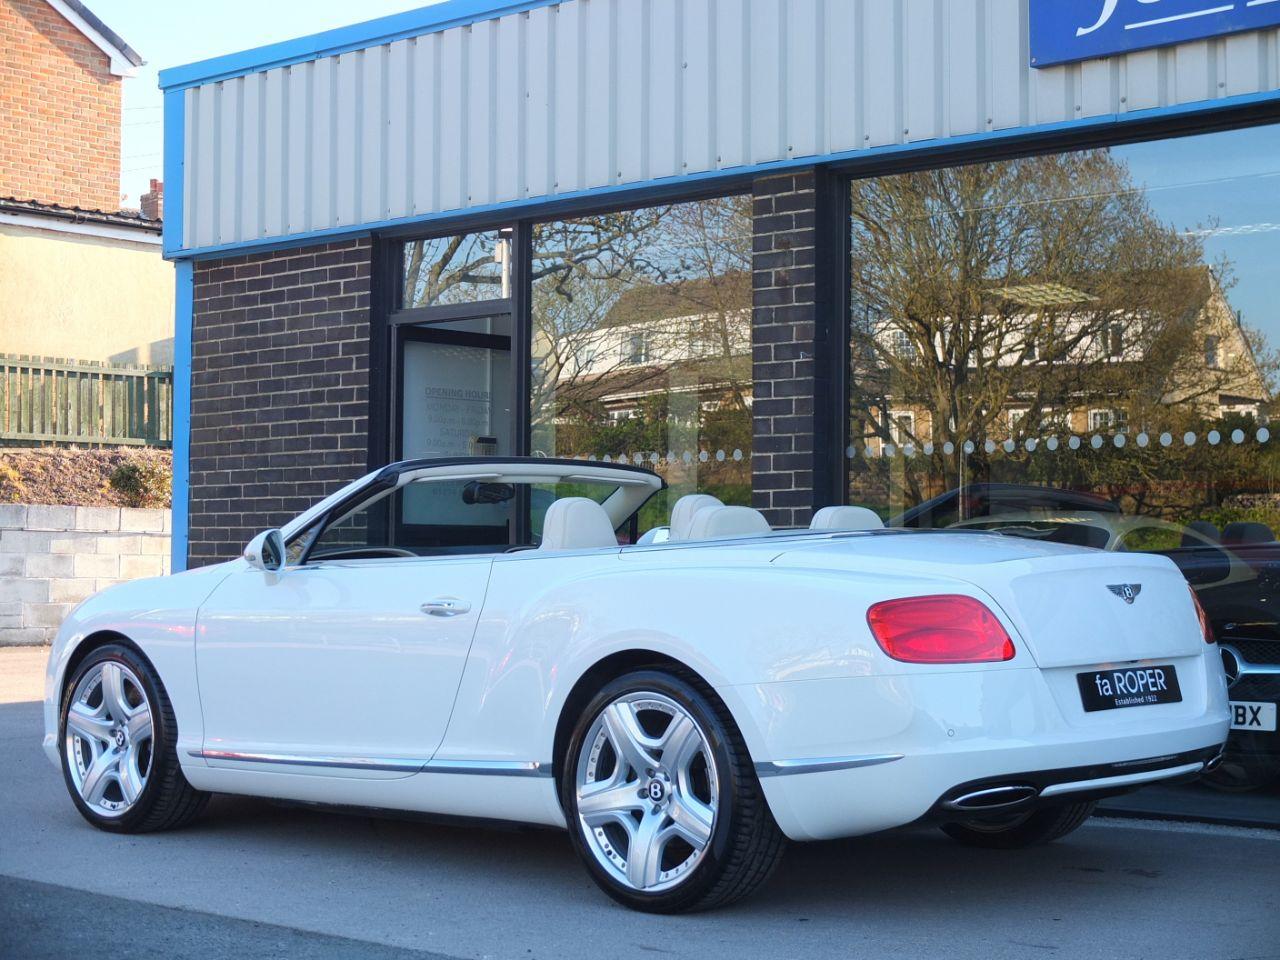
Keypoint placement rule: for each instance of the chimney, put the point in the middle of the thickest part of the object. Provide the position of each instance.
(153, 202)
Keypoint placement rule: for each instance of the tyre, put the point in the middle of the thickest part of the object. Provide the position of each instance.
(1030, 830)
(662, 799)
(117, 740)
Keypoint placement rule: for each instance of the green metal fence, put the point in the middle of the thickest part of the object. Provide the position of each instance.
(52, 401)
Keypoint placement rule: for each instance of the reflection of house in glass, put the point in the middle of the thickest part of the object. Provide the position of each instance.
(688, 341)
(1056, 360)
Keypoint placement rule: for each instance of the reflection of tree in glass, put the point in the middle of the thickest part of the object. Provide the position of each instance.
(642, 330)
(1004, 300)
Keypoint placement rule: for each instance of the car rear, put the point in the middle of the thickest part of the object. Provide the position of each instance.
(1110, 683)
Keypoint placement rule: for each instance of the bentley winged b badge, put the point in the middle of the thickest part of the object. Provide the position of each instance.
(1128, 592)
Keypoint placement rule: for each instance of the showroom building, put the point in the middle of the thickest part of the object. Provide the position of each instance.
(789, 252)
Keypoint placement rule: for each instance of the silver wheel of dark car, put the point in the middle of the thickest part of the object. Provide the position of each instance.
(647, 792)
(108, 738)
(118, 745)
(662, 800)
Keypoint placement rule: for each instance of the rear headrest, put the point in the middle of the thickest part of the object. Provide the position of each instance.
(686, 508)
(714, 522)
(1246, 531)
(576, 523)
(846, 519)
(1206, 530)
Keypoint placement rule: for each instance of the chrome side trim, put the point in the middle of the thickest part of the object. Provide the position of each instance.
(786, 768)
(298, 760)
(478, 768)
(1124, 780)
(490, 768)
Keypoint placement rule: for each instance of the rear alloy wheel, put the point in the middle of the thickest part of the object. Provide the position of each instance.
(117, 745)
(1029, 830)
(663, 802)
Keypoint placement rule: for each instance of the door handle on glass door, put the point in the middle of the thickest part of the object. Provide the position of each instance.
(446, 607)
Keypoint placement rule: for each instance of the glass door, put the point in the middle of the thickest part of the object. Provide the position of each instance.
(456, 389)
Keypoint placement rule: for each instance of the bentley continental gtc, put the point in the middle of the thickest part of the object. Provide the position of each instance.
(499, 639)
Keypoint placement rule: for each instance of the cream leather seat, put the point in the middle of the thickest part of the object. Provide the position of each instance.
(846, 519)
(712, 523)
(686, 509)
(576, 523)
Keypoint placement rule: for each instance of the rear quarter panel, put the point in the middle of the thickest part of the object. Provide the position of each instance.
(737, 622)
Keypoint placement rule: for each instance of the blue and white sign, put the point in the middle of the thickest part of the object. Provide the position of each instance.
(1063, 31)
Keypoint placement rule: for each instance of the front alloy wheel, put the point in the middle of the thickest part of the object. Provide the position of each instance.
(118, 743)
(664, 805)
(108, 738)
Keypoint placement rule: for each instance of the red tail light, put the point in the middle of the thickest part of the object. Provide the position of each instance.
(942, 629)
(1206, 627)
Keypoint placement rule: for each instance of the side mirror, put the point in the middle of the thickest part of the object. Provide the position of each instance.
(266, 551)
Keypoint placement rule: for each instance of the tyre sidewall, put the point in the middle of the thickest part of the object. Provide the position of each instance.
(704, 876)
(162, 750)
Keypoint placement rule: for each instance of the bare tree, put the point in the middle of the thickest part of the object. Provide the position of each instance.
(1029, 285)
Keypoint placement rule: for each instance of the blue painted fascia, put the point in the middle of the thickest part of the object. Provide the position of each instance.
(640, 191)
(183, 316)
(399, 26)
(175, 179)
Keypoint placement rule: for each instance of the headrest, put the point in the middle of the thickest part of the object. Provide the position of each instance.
(686, 508)
(1245, 531)
(1206, 530)
(846, 519)
(715, 522)
(576, 523)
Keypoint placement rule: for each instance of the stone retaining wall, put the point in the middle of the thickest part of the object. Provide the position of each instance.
(51, 558)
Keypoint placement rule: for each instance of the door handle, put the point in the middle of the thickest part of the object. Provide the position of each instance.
(446, 607)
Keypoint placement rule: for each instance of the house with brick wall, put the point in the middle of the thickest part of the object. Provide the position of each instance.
(82, 280)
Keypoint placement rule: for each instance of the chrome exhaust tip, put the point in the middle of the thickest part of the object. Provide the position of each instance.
(993, 799)
(1214, 763)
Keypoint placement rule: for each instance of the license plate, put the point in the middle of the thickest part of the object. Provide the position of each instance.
(1128, 687)
(1259, 717)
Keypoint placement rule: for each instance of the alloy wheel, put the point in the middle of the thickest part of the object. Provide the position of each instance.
(647, 791)
(108, 739)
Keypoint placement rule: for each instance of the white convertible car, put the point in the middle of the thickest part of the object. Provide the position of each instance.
(470, 637)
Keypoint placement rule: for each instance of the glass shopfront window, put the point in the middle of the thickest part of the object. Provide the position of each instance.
(458, 269)
(641, 345)
(1079, 348)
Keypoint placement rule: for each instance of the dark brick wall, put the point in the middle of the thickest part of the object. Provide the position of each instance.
(783, 347)
(279, 391)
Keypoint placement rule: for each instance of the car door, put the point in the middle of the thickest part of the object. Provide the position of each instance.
(348, 661)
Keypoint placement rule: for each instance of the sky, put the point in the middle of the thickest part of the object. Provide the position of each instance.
(168, 33)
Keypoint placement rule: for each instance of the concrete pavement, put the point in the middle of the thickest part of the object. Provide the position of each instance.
(255, 879)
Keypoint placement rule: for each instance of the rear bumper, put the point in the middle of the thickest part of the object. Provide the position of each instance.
(911, 742)
(997, 797)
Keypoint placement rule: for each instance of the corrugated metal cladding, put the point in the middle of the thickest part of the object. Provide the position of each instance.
(598, 93)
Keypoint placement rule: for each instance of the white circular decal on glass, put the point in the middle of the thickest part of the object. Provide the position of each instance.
(1264, 435)
(968, 446)
(1074, 443)
(1052, 444)
(1143, 440)
(1189, 439)
(1120, 440)
(948, 448)
(1166, 439)
(1096, 442)
(1214, 438)
(1237, 436)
